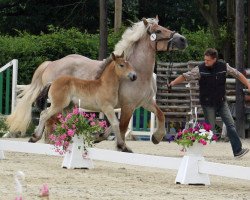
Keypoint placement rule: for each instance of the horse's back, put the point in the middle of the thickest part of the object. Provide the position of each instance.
(73, 65)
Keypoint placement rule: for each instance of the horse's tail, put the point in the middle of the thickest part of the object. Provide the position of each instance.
(41, 100)
(20, 117)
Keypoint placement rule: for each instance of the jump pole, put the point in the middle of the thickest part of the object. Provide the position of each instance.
(192, 169)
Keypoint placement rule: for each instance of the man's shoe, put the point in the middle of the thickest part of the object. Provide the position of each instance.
(241, 153)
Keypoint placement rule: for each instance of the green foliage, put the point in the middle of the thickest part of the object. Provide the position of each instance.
(32, 50)
(3, 126)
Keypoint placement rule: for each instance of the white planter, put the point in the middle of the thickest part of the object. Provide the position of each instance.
(188, 172)
(195, 150)
(75, 156)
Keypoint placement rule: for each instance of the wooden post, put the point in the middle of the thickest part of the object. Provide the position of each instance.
(248, 35)
(103, 30)
(239, 62)
(118, 15)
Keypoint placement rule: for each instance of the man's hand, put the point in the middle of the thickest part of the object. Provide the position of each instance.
(248, 87)
(169, 85)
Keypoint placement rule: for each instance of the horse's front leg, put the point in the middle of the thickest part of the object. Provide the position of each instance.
(120, 143)
(160, 121)
(126, 114)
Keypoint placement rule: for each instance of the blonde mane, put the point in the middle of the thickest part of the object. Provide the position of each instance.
(131, 36)
(103, 66)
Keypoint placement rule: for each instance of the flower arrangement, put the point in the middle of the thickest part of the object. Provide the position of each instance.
(201, 133)
(75, 122)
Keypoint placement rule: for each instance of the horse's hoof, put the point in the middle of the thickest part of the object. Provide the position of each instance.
(124, 149)
(7, 135)
(31, 140)
(127, 150)
(12, 134)
(154, 140)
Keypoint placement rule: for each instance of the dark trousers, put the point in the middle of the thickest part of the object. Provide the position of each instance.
(225, 114)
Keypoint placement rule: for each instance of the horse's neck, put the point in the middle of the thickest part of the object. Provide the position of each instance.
(109, 78)
(143, 58)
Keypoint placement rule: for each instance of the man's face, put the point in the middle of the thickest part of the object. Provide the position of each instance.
(209, 61)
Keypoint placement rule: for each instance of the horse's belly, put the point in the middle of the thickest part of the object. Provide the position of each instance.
(88, 104)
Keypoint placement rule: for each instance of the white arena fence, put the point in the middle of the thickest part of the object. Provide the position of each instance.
(192, 169)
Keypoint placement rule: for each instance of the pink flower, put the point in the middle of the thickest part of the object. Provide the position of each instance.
(70, 132)
(69, 116)
(19, 198)
(215, 138)
(59, 116)
(92, 123)
(63, 136)
(76, 111)
(44, 190)
(52, 137)
(207, 127)
(103, 124)
(86, 115)
(180, 133)
(66, 143)
(202, 141)
(58, 143)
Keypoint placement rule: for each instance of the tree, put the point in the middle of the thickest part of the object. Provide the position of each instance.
(118, 15)
(103, 30)
(239, 48)
(248, 35)
(209, 11)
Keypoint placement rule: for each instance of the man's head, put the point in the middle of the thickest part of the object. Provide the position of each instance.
(210, 57)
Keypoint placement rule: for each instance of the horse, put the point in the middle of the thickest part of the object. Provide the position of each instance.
(140, 42)
(100, 95)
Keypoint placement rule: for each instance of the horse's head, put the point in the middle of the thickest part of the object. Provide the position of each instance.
(123, 67)
(163, 39)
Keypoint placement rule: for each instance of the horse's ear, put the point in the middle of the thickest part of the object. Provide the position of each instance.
(145, 21)
(157, 18)
(122, 56)
(113, 56)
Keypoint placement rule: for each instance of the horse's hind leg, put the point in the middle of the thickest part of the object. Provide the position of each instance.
(160, 131)
(49, 128)
(45, 115)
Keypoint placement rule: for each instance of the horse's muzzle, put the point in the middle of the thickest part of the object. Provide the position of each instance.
(179, 42)
(132, 76)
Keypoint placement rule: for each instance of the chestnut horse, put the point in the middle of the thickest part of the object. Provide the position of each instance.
(100, 95)
(140, 44)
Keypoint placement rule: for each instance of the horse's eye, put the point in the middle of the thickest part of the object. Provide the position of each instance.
(158, 31)
(121, 65)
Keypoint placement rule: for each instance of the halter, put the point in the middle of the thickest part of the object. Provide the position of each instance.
(169, 43)
(169, 39)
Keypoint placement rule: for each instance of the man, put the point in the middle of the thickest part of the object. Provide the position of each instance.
(212, 83)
